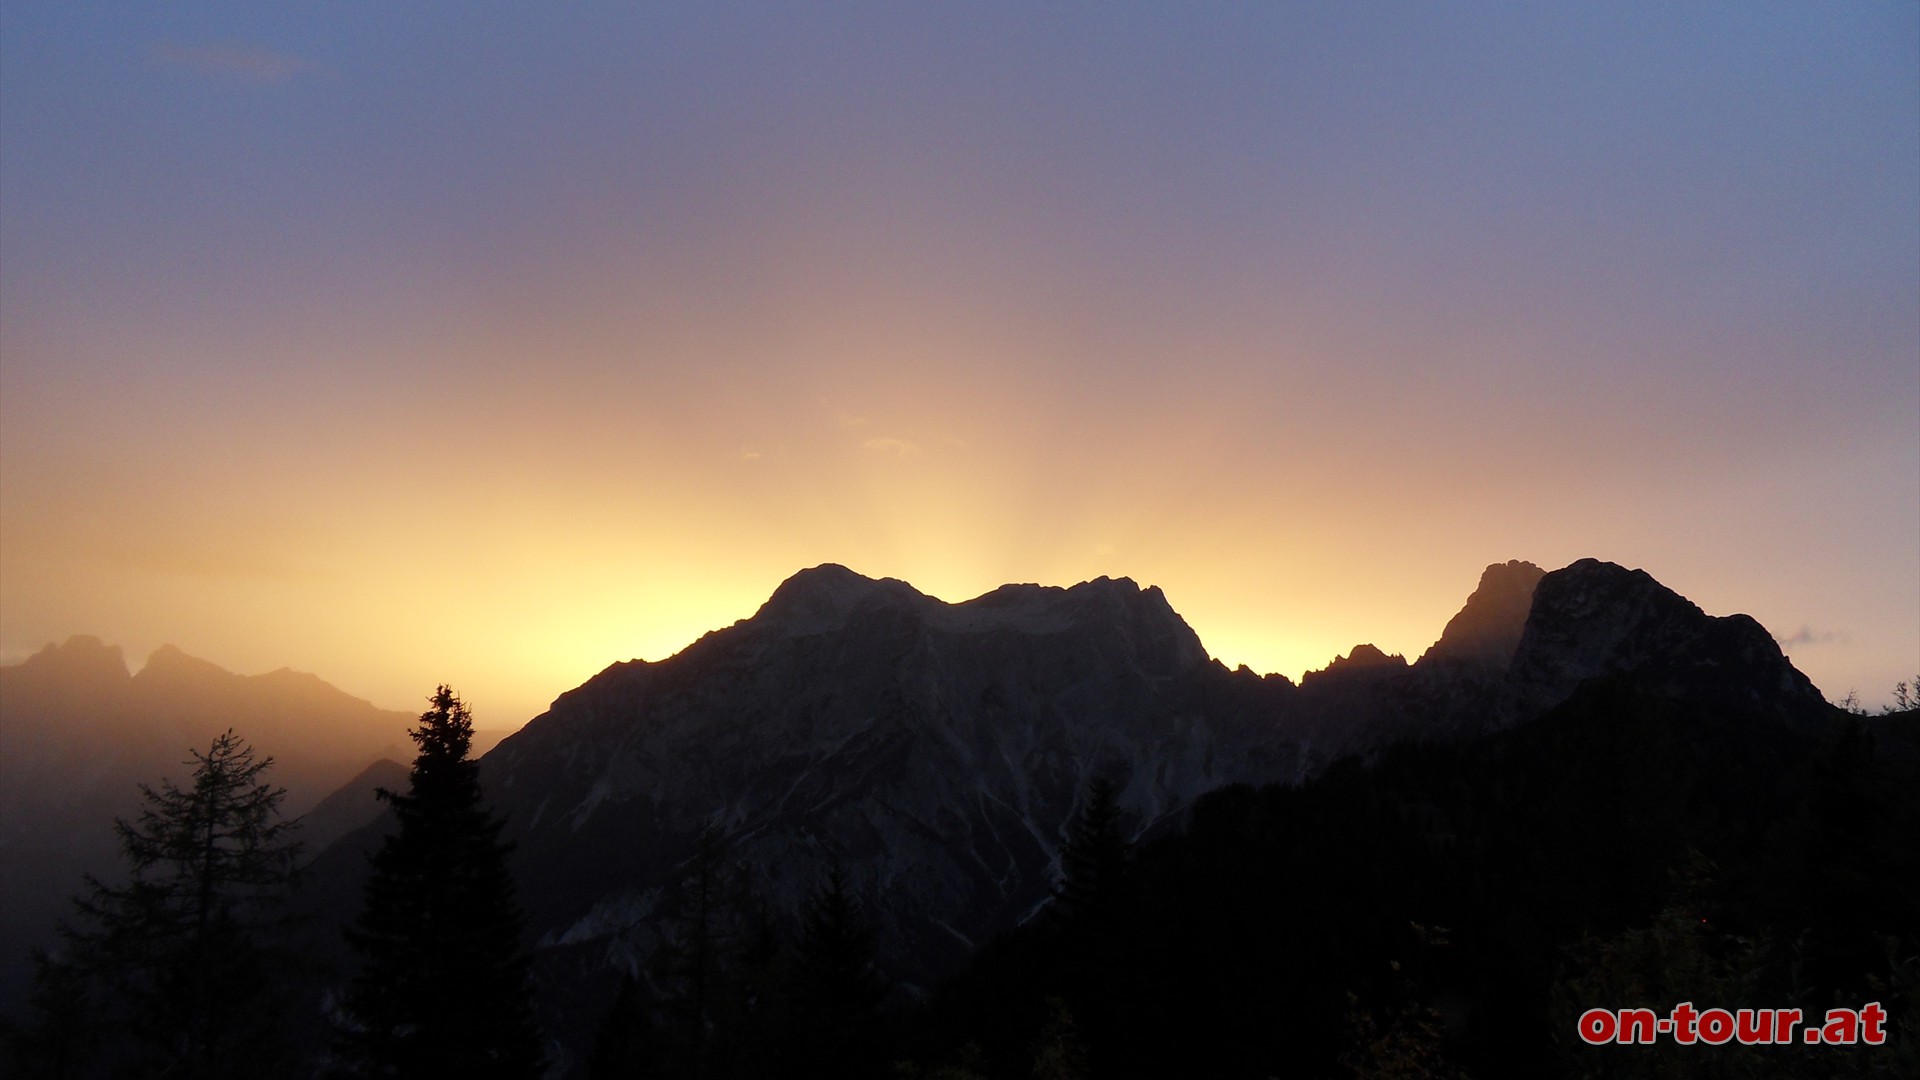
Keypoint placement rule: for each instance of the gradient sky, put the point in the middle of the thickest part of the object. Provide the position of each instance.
(492, 343)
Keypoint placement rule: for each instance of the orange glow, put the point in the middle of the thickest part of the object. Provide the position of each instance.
(596, 407)
(512, 535)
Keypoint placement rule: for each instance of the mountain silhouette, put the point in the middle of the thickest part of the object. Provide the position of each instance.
(939, 750)
(1487, 630)
(936, 753)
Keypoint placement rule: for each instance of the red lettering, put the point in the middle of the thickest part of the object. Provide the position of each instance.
(1597, 1026)
(1683, 1020)
(1873, 1021)
(1637, 1026)
(1717, 1026)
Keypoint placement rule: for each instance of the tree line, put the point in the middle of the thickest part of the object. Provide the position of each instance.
(189, 966)
(1449, 910)
(193, 965)
(1435, 911)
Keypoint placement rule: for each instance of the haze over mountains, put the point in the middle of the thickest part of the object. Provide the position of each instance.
(79, 733)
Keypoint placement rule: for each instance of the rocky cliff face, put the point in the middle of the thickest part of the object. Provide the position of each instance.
(1487, 630)
(1595, 619)
(938, 750)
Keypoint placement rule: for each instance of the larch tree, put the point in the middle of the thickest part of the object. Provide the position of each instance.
(442, 986)
(176, 964)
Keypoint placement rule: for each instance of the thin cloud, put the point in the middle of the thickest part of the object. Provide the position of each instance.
(1807, 635)
(889, 446)
(243, 62)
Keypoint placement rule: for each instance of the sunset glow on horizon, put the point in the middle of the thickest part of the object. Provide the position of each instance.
(412, 346)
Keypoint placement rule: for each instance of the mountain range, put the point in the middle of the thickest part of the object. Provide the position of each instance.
(935, 753)
(938, 751)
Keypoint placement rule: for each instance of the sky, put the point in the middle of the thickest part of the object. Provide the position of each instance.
(490, 344)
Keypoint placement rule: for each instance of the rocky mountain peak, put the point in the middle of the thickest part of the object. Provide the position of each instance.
(169, 664)
(830, 598)
(1364, 655)
(1594, 619)
(859, 722)
(1487, 630)
(821, 599)
(1363, 659)
(1143, 617)
(1121, 595)
(81, 658)
(1123, 586)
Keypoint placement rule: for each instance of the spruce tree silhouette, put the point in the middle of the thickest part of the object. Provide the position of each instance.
(442, 987)
(1096, 863)
(1093, 913)
(836, 990)
(690, 963)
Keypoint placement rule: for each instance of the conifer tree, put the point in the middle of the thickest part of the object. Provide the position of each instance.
(1094, 913)
(61, 1036)
(717, 971)
(1059, 1054)
(836, 991)
(442, 987)
(689, 965)
(1096, 862)
(174, 967)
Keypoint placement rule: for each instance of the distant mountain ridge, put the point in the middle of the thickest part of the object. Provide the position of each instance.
(938, 750)
(80, 697)
(79, 733)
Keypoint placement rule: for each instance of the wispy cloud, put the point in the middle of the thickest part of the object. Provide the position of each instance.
(889, 446)
(243, 62)
(1807, 635)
